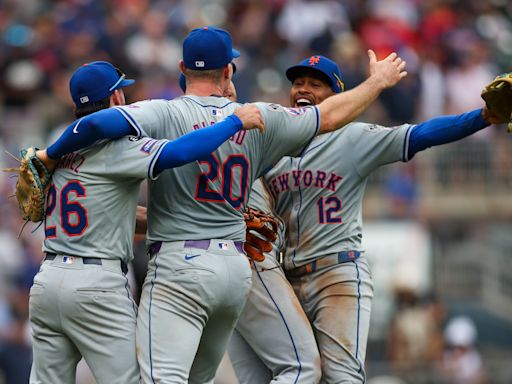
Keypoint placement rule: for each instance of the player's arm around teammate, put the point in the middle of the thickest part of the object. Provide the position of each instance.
(335, 112)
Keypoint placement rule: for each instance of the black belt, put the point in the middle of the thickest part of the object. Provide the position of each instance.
(89, 260)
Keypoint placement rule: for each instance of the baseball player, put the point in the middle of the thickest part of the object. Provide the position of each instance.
(198, 276)
(319, 197)
(80, 303)
(282, 347)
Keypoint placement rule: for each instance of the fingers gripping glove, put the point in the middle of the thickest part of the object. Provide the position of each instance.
(498, 98)
(260, 233)
(33, 183)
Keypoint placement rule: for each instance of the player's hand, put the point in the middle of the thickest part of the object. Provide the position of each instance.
(388, 71)
(251, 117)
(49, 163)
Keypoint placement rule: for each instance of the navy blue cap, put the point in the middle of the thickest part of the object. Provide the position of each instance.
(96, 81)
(327, 68)
(208, 48)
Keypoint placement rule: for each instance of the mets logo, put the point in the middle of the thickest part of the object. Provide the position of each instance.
(313, 60)
(148, 145)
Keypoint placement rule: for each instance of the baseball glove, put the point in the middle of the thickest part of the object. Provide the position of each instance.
(261, 232)
(498, 99)
(33, 183)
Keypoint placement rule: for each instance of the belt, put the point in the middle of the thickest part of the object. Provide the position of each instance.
(154, 248)
(324, 262)
(88, 260)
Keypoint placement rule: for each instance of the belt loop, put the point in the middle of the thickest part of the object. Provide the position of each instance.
(154, 248)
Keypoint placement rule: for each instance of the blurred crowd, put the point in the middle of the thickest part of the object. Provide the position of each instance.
(452, 47)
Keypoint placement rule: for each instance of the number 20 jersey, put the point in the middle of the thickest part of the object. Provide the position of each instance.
(204, 199)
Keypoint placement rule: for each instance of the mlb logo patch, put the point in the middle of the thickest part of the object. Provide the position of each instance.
(217, 112)
(84, 99)
(148, 145)
(199, 64)
(68, 259)
(223, 246)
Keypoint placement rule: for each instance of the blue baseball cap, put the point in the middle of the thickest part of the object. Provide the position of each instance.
(321, 65)
(208, 48)
(95, 81)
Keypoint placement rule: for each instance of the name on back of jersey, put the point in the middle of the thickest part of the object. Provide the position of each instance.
(237, 138)
(72, 161)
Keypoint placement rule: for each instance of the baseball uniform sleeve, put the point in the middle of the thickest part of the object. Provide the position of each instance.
(148, 117)
(287, 130)
(375, 145)
(132, 157)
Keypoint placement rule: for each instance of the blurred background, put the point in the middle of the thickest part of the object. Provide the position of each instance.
(438, 230)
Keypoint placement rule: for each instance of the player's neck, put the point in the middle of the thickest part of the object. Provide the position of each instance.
(204, 88)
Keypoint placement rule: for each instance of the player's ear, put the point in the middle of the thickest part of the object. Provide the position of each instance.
(181, 64)
(117, 98)
(228, 72)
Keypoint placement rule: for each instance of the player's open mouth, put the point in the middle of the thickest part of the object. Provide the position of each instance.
(303, 102)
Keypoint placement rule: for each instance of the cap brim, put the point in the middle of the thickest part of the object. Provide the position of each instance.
(293, 72)
(125, 83)
(235, 53)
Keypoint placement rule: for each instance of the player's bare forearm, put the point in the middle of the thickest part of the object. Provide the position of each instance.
(251, 118)
(339, 110)
(49, 163)
(141, 220)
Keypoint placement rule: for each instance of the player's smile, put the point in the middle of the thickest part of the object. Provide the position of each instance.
(309, 90)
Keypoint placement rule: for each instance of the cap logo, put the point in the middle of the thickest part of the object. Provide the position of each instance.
(84, 99)
(199, 64)
(313, 60)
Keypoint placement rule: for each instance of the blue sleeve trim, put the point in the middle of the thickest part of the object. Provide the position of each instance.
(151, 173)
(405, 149)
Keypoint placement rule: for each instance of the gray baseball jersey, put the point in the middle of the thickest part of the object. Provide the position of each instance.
(207, 196)
(319, 196)
(80, 304)
(198, 278)
(93, 197)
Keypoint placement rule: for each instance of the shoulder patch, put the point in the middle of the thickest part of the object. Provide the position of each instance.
(273, 107)
(148, 145)
(296, 111)
(134, 138)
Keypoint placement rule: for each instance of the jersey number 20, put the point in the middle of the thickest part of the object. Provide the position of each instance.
(233, 166)
(73, 215)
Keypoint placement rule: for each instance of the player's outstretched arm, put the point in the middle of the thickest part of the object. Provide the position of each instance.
(339, 110)
(199, 144)
(446, 129)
